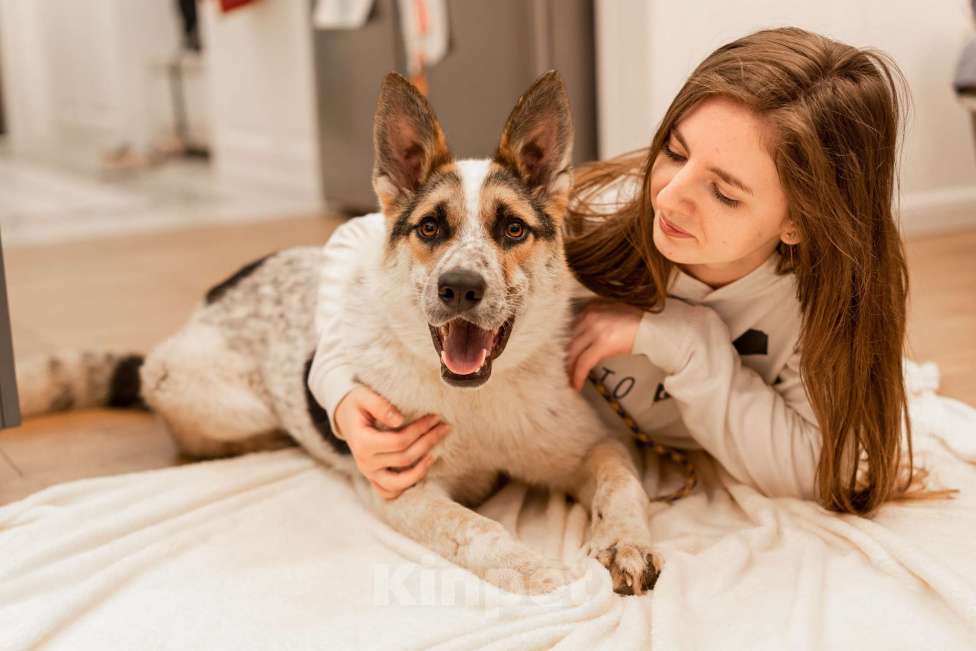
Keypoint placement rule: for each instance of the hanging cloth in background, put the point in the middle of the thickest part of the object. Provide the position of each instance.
(341, 14)
(230, 5)
(964, 81)
(425, 36)
(190, 24)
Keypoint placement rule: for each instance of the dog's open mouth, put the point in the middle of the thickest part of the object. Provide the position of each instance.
(466, 351)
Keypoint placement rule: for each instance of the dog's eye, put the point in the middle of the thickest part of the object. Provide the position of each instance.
(515, 229)
(428, 228)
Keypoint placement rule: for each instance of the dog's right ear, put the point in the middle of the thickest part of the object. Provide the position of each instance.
(408, 142)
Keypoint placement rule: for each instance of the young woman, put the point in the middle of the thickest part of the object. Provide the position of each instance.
(751, 279)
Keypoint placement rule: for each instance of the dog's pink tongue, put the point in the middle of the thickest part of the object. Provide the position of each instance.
(465, 348)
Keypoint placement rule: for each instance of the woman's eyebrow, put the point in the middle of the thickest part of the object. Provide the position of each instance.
(731, 180)
(722, 174)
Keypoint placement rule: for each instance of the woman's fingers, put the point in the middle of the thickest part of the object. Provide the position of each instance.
(421, 446)
(582, 321)
(577, 345)
(584, 364)
(391, 442)
(397, 482)
(382, 410)
(382, 492)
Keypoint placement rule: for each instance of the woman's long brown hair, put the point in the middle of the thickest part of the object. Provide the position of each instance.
(835, 110)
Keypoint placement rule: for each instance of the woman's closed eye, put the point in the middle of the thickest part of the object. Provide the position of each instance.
(672, 154)
(678, 158)
(728, 201)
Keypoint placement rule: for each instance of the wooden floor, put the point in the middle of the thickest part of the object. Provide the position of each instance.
(127, 293)
(120, 294)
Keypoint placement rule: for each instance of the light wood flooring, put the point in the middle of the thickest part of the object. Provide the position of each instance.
(126, 293)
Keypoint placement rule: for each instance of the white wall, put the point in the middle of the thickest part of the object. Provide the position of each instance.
(26, 86)
(647, 48)
(90, 73)
(81, 70)
(262, 96)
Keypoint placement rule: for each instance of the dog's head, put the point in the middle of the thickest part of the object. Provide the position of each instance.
(474, 247)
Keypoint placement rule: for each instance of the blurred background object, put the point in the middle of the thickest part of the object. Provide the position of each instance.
(964, 81)
(9, 406)
(496, 50)
(141, 115)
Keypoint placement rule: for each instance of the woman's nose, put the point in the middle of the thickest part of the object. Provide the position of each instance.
(675, 195)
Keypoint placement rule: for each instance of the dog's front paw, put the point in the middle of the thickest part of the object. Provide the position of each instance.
(530, 573)
(542, 580)
(634, 566)
(543, 576)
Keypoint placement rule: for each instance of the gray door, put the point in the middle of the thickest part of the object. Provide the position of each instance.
(497, 49)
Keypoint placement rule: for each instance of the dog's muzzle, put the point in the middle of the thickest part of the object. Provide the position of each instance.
(466, 350)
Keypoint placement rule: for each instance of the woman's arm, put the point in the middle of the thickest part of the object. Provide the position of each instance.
(766, 436)
(399, 455)
(330, 378)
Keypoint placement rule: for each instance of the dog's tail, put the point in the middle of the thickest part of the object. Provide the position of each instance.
(79, 380)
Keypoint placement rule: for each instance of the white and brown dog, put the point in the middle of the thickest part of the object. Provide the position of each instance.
(460, 306)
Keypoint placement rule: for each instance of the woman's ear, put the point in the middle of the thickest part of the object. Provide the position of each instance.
(789, 234)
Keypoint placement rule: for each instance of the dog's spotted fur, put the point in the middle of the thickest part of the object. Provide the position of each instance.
(234, 378)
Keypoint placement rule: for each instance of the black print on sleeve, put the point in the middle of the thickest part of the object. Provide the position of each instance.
(660, 394)
(752, 342)
(620, 388)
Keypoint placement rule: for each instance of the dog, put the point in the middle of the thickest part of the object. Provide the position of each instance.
(462, 308)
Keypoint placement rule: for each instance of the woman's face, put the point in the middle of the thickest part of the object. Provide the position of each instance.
(719, 208)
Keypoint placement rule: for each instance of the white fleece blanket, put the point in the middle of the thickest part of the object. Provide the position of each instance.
(271, 551)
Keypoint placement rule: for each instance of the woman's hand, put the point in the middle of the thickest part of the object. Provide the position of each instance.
(602, 329)
(392, 460)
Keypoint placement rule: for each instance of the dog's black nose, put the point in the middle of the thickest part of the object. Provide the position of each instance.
(460, 289)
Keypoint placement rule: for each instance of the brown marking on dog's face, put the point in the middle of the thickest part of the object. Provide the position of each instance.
(440, 202)
(533, 162)
(518, 227)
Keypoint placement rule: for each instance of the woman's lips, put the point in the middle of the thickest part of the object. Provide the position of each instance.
(670, 229)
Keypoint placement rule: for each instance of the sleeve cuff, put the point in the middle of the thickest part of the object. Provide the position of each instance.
(330, 391)
(667, 338)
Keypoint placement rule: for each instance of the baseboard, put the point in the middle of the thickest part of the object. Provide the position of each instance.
(938, 211)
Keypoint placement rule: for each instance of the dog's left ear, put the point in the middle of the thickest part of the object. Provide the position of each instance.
(537, 142)
(408, 142)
